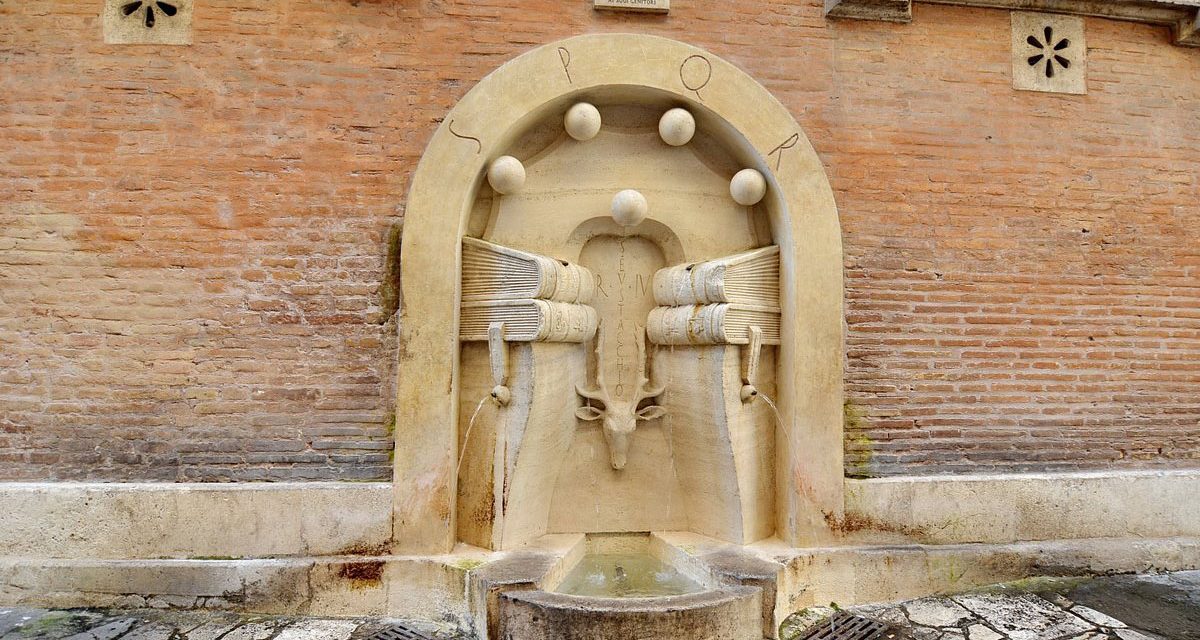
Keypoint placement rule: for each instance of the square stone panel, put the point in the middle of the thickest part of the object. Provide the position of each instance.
(147, 21)
(1049, 53)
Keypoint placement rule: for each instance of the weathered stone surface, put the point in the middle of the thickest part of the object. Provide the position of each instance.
(318, 630)
(733, 566)
(106, 631)
(518, 570)
(212, 630)
(18, 617)
(936, 612)
(925, 633)
(152, 631)
(1097, 618)
(1024, 617)
(173, 601)
(1130, 634)
(1008, 508)
(732, 613)
(54, 520)
(982, 632)
(1167, 605)
(797, 623)
(890, 614)
(252, 631)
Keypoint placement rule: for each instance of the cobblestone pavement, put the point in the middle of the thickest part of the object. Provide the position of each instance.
(1147, 607)
(93, 624)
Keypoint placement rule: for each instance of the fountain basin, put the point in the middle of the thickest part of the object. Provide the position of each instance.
(633, 586)
(722, 613)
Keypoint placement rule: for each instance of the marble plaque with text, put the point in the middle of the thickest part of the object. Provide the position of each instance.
(651, 6)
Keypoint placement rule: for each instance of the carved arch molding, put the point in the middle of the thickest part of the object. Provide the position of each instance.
(575, 356)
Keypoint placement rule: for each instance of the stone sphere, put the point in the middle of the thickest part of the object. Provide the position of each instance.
(677, 127)
(629, 208)
(582, 121)
(748, 187)
(506, 174)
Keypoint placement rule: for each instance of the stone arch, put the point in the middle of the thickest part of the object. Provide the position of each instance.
(755, 128)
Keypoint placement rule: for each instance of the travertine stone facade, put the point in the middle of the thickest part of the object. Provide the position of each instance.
(194, 239)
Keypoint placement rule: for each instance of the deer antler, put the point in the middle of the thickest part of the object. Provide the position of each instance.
(643, 391)
(600, 393)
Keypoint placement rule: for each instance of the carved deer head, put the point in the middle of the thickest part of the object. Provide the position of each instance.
(620, 415)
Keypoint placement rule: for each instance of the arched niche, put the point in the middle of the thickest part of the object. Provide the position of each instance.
(735, 113)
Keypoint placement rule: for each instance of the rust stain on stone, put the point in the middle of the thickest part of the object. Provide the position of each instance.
(362, 572)
(853, 521)
(364, 549)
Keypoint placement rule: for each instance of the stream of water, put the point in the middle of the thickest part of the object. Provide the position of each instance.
(467, 436)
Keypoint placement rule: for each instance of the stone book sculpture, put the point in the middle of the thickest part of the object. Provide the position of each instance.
(491, 272)
(528, 320)
(722, 323)
(717, 301)
(536, 298)
(750, 278)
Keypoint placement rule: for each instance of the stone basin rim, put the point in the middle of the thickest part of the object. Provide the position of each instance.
(709, 597)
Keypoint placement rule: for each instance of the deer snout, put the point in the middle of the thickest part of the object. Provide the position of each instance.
(617, 437)
(619, 428)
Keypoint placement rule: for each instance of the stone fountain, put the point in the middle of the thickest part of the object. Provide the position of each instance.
(622, 328)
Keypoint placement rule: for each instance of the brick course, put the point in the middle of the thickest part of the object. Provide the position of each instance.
(193, 239)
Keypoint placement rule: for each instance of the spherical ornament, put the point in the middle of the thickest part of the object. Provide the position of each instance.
(677, 127)
(629, 208)
(748, 187)
(582, 121)
(506, 174)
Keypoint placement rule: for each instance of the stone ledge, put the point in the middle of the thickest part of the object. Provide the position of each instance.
(1025, 507)
(436, 588)
(163, 520)
(424, 588)
(1182, 16)
(862, 575)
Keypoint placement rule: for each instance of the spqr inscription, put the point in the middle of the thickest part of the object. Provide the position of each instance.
(783, 146)
(695, 73)
(564, 56)
(479, 145)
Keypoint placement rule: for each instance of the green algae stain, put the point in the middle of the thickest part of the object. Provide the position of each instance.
(857, 443)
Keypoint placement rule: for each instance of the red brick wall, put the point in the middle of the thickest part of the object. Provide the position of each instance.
(192, 239)
(1023, 269)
